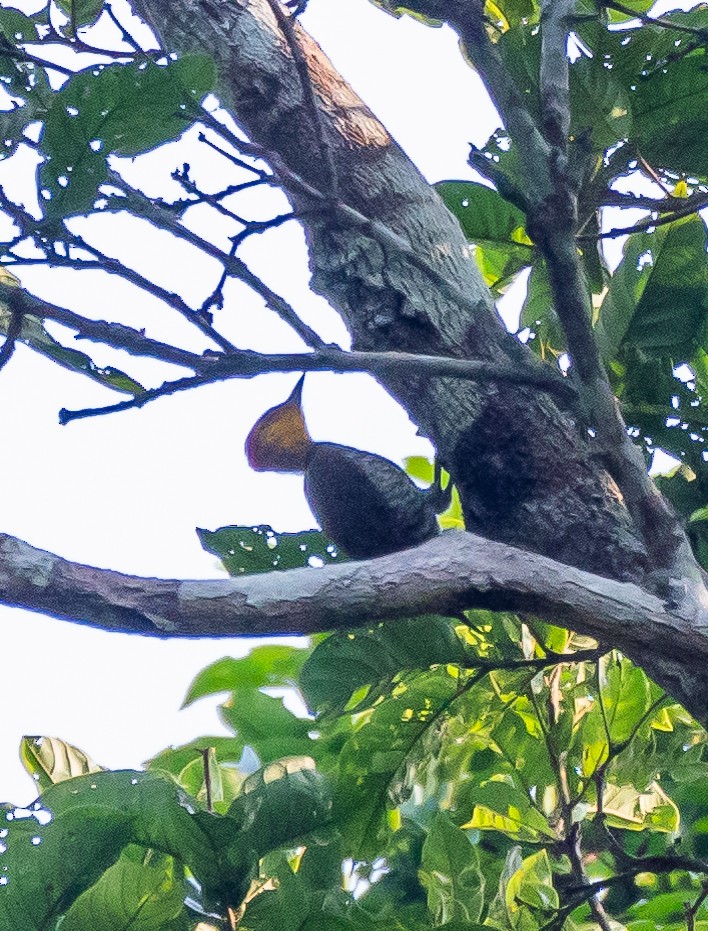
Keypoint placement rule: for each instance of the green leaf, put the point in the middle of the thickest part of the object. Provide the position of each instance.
(385, 753)
(600, 104)
(50, 760)
(16, 27)
(670, 109)
(286, 909)
(174, 760)
(247, 550)
(271, 665)
(539, 315)
(346, 661)
(142, 891)
(531, 898)
(626, 697)
(119, 109)
(400, 9)
(662, 908)
(657, 298)
(627, 808)
(80, 12)
(280, 804)
(265, 724)
(60, 846)
(636, 6)
(496, 228)
(37, 338)
(514, 11)
(420, 467)
(450, 872)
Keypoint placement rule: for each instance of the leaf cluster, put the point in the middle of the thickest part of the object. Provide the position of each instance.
(443, 772)
(638, 104)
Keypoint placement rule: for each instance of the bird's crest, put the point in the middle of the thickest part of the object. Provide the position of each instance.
(279, 440)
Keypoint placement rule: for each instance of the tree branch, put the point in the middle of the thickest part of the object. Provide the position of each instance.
(554, 81)
(30, 228)
(151, 209)
(289, 30)
(669, 204)
(116, 335)
(246, 364)
(676, 214)
(391, 303)
(454, 572)
(553, 225)
(379, 232)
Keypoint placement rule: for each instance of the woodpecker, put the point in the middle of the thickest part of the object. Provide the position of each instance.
(364, 503)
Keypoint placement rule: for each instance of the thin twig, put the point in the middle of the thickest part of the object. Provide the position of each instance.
(692, 910)
(656, 864)
(115, 267)
(374, 229)
(653, 174)
(21, 55)
(612, 198)
(29, 227)
(551, 659)
(234, 159)
(206, 754)
(147, 209)
(128, 38)
(649, 223)
(181, 176)
(115, 335)
(151, 394)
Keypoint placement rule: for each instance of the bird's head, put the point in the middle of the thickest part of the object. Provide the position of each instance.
(279, 441)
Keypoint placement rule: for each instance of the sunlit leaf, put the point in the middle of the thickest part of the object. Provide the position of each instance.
(50, 760)
(271, 665)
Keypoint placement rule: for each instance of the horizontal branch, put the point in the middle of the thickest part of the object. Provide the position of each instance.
(456, 571)
(668, 204)
(247, 364)
(686, 210)
(212, 367)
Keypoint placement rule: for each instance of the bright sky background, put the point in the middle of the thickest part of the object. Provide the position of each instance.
(126, 491)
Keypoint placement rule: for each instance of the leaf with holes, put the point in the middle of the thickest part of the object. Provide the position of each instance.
(247, 550)
(118, 109)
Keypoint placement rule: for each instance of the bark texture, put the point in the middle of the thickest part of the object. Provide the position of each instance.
(446, 575)
(524, 471)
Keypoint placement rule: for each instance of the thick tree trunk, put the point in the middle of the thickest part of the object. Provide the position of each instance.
(524, 471)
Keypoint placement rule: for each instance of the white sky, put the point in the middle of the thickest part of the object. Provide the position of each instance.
(126, 491)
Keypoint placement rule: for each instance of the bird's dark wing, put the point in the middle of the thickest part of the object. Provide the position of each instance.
(367, 505)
